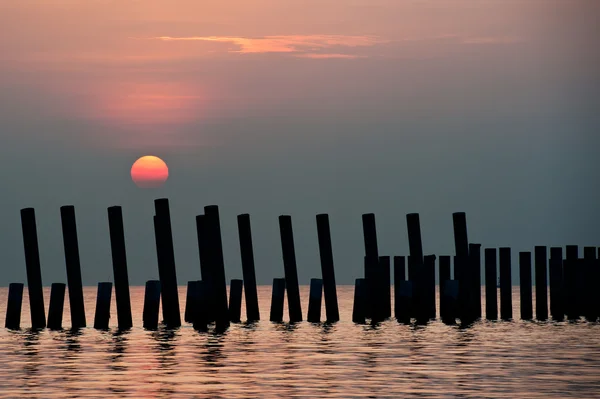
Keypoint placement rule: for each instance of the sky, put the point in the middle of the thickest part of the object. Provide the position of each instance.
(298, 107)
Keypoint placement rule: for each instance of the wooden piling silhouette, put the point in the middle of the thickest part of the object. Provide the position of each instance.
(589, 309)
(289, 265)
(491, 290)
(449, 292)
(57, 303)
(414, 236)
(32, 264)
(119, 261)
(327, 270)
(475, 271)
(166, 260)
(371, 259)
(277, 298)
(151, 305)
(429, 285)
(102, 315)
(235, 300)
(219, 281)
(506, 312)
(557, 310)
(372, 277)
(74, 283)
(461, 245)
(525, 285)
(570, 275)
(191, 301)
(405, 302)
(205, 266)
(248, 272)
(416, 274)
(360, 300)
(444, 275)
(399, 276)
(314, 300)
(385, 289)
(13, 308)
(541, 282)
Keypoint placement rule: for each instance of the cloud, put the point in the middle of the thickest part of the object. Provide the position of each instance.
(493, 40)
(307, 46)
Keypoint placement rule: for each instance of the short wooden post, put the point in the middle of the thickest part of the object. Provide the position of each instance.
(405, 302)
(386, 289)
(13, 308)
(399, 276)
(506, 312)
(557, 310)
(235, 300)
(277, 298)
(491, 281)
(525, 285)
(541, 283)
(201, 315)
(57, 303)
(191, 301)
(449, 292)
(444, 275)
(151, 305)
(360, 301)
(314, 300)
(102, 316)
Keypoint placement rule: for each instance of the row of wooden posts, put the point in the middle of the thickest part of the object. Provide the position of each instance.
(573, 280)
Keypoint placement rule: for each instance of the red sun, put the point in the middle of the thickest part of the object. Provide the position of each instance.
(149, 172)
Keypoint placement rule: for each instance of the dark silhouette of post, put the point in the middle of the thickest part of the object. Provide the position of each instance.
(429, 270)
(245, 235)
(360, 300)
(314, 300)
(525, 285)
(371, 259)
(570, 275)
(235, 300)
(205, 267)
(491, 281)
(444, 275)
(200, 313)
(119, 261)
(191, 301)
(289, 265)
(372, 276)
(399, 276)
(57, 303)
(557, 310)
(414, 236)
(32, 264)
(590, 284)
(13, 308)
(386, 289)
(461, 243)
(102, 316)
(506, 312)
(327, 270)
(151, 305)
(405, 302)
(541, 282)
(449, 293)
(168, 277)
(74, 284)
(475, 270)
(277, 298)
(219, 281)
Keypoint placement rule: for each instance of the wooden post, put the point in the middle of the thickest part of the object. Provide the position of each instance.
(219, 281)
(314, 300)
(32, 264)
(74, 284)
(360, 300)
(13, 308)
(444, 275)
(414, 236)
(245, 235)
(168, 277)
(102, 316)
(590, 284)
(119, 261)
(289, 265)
(570, 271)
(277, 298)
(191, 301)
(450, 294)
(475, 270)
(386, 289)
(506, 312)
(557, 310)
(525, 285)
(429, 286)
(57, 303)
(405, 302)
(491, 281)
(201, 314)
(541, 283)
(151, 305)
(205, 267)
(461, 260)
(235, 300)
(399, 276)
(371, 258)
(327, 269)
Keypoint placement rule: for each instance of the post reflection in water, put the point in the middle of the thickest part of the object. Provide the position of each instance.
(164, 349)
(117, 362)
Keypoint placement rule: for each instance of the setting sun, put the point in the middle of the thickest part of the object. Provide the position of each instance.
(149, 172)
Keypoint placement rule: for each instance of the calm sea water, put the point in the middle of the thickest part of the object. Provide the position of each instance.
(489, 359)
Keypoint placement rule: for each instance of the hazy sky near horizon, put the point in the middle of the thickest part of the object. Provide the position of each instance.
(298, 107)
